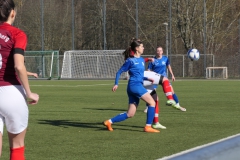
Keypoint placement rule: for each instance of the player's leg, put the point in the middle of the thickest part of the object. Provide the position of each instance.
(150, 112)
(133, 103)
(155, 98)
(1, 133)
(165, 86)
(167, 90)
(159, 80)
(0, 144)
(150, 90)
(2, 95)
(121, 117)
(15, 113)
(175, 97)
(156, 123)
(16, 142)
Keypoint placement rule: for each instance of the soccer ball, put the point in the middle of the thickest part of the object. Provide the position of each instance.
(193, 54)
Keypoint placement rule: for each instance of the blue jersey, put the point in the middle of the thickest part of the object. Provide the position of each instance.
(135, 67)
(159, 65)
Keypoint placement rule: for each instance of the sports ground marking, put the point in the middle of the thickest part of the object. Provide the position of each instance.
(84, 85)
(87, 85)
(228, 147)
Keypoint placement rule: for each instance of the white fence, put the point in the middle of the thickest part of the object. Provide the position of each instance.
(101, 64)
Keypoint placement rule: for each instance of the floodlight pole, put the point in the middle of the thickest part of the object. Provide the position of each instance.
(42, 35)
(136, 18)
(170, 29)
(166, 24)
(239, 46)
(42, 24)
(239, 36)
(73, 29)
(104, 25)
(204, 36)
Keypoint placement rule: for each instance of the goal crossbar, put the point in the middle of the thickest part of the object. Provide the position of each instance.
(217, 72)
(91, 64)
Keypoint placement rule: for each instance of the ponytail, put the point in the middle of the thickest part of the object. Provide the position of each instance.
(130, 51)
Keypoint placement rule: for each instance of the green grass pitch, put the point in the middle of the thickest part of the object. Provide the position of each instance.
(66, 124)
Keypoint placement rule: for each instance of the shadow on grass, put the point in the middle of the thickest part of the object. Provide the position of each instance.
(107, 109)
(98, 126)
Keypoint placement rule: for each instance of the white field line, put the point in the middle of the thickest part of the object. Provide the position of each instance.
(88, 85)
(197, 148)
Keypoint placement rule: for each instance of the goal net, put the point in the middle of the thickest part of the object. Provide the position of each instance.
(216, 72)
(44, 63)
(92, 64)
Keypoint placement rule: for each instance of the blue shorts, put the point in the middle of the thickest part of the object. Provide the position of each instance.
(135, 92)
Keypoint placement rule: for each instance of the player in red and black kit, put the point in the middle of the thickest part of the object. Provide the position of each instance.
(14, 86)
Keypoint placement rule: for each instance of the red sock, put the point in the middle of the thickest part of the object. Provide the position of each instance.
(167, 89)
(17, 153)
(155, 120)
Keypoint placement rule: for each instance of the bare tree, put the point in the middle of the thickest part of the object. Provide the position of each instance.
(187, 22)
(222, 24)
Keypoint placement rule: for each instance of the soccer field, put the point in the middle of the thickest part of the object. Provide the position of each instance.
(66, 124)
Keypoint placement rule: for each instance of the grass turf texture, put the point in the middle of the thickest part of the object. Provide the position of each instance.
(66, 124)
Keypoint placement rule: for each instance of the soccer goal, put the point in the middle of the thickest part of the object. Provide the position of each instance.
(91, 64)
(44, 63)
(216, 72)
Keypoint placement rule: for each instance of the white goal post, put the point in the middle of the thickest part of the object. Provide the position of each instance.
(216, 72)
(91, 64)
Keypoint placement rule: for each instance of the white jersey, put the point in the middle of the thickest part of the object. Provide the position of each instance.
(152, 75)
(149, 85)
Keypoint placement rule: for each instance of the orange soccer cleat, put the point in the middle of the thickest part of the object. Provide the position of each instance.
(108, 125)
(150, 129)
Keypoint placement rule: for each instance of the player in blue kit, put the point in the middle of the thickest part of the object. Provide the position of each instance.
(159, 66)
(135, 65)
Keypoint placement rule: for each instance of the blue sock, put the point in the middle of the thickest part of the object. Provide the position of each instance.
(175, 98)
(150, 115)
(120, 117)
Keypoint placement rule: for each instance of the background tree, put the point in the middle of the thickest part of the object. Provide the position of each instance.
(222, 26)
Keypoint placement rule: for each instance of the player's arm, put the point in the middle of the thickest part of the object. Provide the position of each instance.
(148, 79)
(171, 72)
(18, 52)
(21, 71)
(32, 74)
(22, 74)
(124, 68)
(149, 59)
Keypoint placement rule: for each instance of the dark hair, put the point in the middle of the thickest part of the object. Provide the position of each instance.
(159, 47)
(131, 50)
(6, 6)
